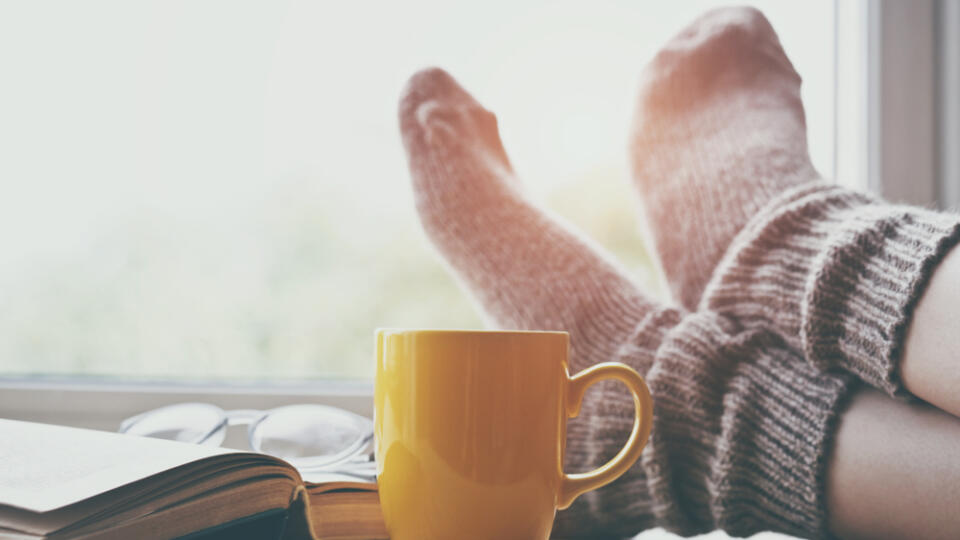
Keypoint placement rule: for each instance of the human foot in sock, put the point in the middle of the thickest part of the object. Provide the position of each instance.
(528, 270)
(719, 129)
(720, 158)
(712, 461)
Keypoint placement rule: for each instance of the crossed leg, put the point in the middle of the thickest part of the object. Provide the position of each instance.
(858, 285)
(891, 469)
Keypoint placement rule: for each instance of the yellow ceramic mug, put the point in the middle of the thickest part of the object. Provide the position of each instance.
(471, 428)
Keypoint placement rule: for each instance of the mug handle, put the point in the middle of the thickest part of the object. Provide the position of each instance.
(574, 485)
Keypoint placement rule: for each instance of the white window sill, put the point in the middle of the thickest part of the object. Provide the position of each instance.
(103, 405)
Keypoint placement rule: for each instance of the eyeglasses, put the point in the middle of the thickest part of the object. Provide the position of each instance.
(312, 438)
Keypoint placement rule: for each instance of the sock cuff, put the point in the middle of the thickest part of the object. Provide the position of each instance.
(838, 273)
(741, 437)
(875, 266)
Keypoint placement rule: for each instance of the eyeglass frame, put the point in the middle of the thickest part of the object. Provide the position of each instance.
(352, 455)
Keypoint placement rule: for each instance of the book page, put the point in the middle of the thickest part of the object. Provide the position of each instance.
(44, 467)
(319, 482)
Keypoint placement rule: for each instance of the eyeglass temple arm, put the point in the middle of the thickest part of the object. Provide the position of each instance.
(243, 416)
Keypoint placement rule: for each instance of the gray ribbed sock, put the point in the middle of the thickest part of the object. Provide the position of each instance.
(719, 129)
(742, 435)
(838, 273)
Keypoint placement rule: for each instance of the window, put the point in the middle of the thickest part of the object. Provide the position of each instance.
(201, 193)
(216, 190)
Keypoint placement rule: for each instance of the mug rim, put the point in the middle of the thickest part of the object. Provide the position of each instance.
(469, 332)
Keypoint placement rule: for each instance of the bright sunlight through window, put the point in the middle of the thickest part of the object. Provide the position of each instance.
(216, 190)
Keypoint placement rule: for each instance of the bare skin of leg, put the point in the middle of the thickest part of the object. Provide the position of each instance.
(930, 367)
(894, 471)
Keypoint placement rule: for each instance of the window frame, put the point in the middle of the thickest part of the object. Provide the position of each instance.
(904, 58)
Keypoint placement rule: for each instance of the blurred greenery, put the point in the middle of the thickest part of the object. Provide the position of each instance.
(294, 289)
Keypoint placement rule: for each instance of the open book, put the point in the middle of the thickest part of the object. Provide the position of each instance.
(61, 482)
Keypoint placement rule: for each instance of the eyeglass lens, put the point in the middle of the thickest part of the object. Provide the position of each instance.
(311, 435)
(196, 423)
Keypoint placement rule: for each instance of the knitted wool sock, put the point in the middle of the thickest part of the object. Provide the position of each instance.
(837, 273)
(719, 141)
(719, 129)
(742, 426)
(526, 269)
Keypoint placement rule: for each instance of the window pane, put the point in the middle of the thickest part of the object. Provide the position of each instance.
(217, 190)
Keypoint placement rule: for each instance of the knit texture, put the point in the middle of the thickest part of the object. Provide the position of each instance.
(742, 426)
(524, 268)
(721, 162)
(718, 131)
(741, 438)
(837, 273)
